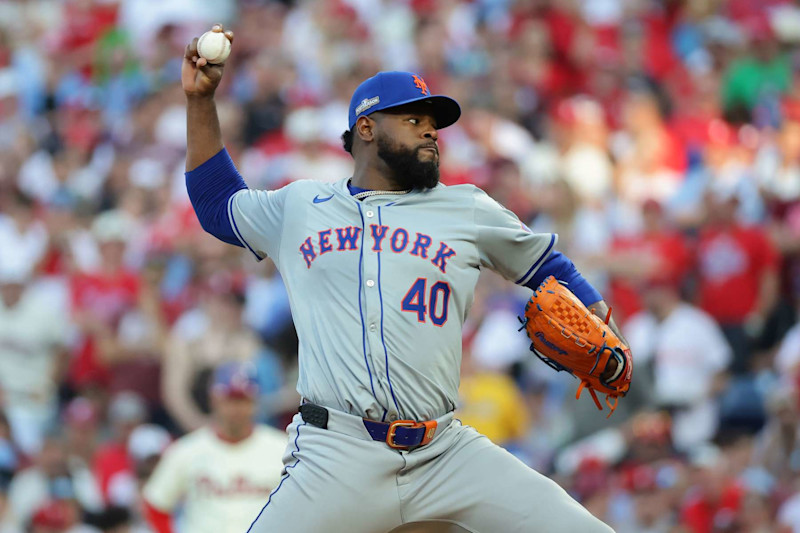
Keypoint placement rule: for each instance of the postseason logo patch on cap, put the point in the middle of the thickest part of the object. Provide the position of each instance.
(366, 103)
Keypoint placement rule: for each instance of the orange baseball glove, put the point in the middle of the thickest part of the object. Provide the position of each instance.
(568, 336)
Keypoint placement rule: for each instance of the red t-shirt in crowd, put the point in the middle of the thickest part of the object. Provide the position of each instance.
(107, 298)
(111, 460)
(731, 262)
(671, 251)
(701, 515)
(84, 25)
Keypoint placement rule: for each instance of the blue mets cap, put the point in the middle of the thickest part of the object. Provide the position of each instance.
(235, 378)
(391, 89)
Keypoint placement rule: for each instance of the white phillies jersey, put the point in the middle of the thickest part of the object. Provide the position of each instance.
(223, 486)
(380, 288)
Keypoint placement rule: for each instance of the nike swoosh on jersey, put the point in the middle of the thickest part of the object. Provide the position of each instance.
(318, 200)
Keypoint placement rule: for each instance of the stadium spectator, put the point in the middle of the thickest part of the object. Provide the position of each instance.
(652, 159)
(145, 446)
(100, 299)
(81, 424)
(657, 253)
(688, 356)
(714, 500)
(57, 516)
(586, 162)
(112, 464)
(491, 403)
(202, 338)
(33, 346)
(584, 233)
(22, 231)
(54, 476)
(737, 269)
(754, 83)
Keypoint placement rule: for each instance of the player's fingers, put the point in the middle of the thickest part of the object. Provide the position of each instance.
(190, 56)
(229, 35)
(201, 62)
(191, 49)
(219, 28)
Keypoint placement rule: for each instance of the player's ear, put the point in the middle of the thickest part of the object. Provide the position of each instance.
(365, 128)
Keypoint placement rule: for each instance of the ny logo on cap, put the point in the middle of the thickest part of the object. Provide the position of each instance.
(421, 85)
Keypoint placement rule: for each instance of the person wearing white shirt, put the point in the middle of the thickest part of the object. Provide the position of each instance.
(22, 231)
(688, 355)
(33, 350)
(56, 475)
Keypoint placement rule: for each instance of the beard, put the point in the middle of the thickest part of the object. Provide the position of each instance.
(407, 170)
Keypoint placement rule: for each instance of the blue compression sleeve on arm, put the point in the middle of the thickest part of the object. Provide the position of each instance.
(210, 186)
(560, 266)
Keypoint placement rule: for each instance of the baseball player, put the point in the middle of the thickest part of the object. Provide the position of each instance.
(221, 474)
(380, 270)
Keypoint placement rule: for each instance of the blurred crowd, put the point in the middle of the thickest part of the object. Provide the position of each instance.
(659, 138)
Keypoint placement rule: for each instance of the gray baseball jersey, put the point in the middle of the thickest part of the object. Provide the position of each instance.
(379, 291)
(380, 288)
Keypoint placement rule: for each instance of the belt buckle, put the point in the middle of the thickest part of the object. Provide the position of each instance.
(430, 431)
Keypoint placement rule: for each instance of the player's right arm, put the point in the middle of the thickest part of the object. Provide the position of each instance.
(224, 205)
(159, 521)
(165, 488)
(200, 80)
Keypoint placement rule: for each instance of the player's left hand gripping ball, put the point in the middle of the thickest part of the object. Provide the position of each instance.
(567, 336)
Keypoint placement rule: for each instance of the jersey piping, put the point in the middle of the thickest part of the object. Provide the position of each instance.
(538, 261)
(285, 477)
(236, 228)
(383, 339)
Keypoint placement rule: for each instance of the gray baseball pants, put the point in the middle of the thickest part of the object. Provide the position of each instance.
(339, 480)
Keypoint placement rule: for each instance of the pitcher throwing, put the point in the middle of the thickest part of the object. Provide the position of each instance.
(380, 269)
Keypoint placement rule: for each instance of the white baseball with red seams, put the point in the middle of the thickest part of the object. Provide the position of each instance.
(214, 46)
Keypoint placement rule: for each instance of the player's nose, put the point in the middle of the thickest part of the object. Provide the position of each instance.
(431, 133)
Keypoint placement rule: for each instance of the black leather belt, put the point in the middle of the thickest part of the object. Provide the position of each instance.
(400, 434)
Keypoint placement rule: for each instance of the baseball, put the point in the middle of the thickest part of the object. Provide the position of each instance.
(214, 46)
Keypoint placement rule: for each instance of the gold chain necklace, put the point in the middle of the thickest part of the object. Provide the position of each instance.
(366, 194)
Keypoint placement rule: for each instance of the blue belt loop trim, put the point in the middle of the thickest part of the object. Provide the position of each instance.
(538, 261)
(285, 477)
(360, 309)
(383, 339)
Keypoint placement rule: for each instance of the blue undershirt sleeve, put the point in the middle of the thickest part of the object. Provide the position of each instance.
(559, 266)
(210, 186)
